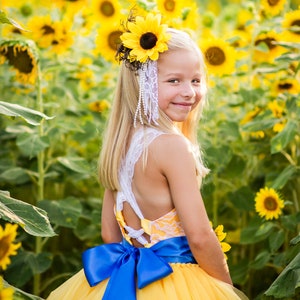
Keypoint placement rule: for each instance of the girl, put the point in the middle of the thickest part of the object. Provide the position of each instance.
(159, 243)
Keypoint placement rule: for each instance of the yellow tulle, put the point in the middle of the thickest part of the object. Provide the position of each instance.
(188, 281)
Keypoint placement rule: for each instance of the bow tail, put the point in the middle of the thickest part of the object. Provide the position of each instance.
(151, 267)
(121, 284)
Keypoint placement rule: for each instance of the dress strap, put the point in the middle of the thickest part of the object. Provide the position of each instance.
(140, 141)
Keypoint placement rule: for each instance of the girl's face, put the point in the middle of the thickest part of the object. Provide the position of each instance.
(179, 83)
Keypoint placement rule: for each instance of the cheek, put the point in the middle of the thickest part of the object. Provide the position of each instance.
(198, 100)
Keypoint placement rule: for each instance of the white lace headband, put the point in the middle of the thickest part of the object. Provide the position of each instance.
(148, 93)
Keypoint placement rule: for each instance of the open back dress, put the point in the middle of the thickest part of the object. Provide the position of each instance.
(163, 268)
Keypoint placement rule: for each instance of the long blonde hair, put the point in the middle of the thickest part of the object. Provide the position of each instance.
(124, 105)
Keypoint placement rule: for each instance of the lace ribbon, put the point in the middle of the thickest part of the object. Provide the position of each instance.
(148, 93)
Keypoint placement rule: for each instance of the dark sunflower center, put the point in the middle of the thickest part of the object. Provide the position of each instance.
(107, 9)
(148, 40)
(16, 30)
(20, 59)
(296, 23)
(268, 41)
(215, 56)
(285, 86)
(47, 30)
(169, 5)
(270, 204)
(114, 40)
(4, 242)
(273, 2)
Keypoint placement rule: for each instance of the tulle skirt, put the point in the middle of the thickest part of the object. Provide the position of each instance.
(187, 282)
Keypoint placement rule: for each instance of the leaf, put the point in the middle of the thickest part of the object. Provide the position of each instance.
(259, 124)
(242, 198)
(295, 240)
(281, 140)
(287, 282)
(25, 265)
(76, 164)
(64, 212)
(21, 295)
(276, 240)
(15, 175)
(289, 57)
(31, 144)
(284, 177)
(260, 260)
(253, 234)
(31, 116)
(31, 218)
(4, 19)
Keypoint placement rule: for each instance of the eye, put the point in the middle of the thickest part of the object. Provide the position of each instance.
(196, 81)
(173, 80)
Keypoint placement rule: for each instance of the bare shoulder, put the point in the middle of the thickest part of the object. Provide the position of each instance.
(172, 143)
(172, 148)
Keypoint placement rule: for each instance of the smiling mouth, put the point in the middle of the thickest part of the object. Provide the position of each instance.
(183, 104)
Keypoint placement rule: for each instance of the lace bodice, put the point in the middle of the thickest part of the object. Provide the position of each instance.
(162, 228)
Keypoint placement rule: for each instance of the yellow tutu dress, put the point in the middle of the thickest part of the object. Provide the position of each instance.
(164, 268)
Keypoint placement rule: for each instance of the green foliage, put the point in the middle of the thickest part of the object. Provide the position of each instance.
(32, 219)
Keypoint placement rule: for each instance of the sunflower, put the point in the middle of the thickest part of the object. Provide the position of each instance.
(190, 16)
(22, 56)
(170, 9)
(250, 115)
(5, 293)
(42, 30)
(276, 108)
(7, 247)
(278, 127)
(221, 236)
(108, 40)
(63, 38)
(244, 21)
(291, 22)
(268, 203)
(71, 6)
(288, 85)
(146, 37)
(257, 135)
(272, 7)
(266, 49)
(11, 32)
(99, 106)
(219, 56)
(106, 10)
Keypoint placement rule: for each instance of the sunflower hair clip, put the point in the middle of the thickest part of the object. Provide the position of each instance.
(142, 40)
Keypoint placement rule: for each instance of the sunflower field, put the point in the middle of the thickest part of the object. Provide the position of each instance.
(57, 78)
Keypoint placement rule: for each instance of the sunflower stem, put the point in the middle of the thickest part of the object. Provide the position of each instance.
(41, 177)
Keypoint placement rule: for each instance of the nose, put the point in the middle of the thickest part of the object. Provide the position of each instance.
(188, 91)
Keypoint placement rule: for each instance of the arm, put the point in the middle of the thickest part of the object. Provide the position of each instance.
(110, 230)
(178, 165)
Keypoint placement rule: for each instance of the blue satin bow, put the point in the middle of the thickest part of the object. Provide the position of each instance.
(123, 263)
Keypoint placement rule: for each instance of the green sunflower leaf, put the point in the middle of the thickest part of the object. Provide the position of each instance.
(284, 177)
(6, 20)
(65, 212)
(31, 218)
(31, 116)
(283, 138)
(287, 282)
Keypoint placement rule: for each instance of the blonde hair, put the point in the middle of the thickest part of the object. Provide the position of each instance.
(115, 140)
